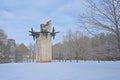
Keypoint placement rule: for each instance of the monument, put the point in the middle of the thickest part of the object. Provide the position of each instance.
(43, 42)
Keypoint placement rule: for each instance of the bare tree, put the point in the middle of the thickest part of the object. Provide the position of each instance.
(11, 46)
(3, 35)
(32, 52)
(76, 45)
(21, 53)
(68, 45)
(3, 49)
(105, 15)
(58, 52)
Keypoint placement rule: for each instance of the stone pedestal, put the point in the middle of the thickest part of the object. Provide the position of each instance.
(44, 45)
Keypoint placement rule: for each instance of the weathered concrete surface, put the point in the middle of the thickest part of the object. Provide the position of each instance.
(44, 45)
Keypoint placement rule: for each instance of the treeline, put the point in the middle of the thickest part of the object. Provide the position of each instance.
(12, 52)
(76, 46)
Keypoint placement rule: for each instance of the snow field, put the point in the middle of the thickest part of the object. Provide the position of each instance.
(88, 70)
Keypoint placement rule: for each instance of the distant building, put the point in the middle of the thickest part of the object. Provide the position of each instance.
(11, 49)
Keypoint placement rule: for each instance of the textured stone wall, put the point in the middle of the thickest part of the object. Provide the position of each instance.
(44, 45)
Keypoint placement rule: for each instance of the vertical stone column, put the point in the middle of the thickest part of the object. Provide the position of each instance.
(44, 45)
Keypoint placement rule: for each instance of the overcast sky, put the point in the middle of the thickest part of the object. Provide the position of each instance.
(18, 16)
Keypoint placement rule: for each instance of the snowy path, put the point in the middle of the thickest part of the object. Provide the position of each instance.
(88, 70)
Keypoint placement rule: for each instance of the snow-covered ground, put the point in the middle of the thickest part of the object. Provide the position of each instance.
(88, 70)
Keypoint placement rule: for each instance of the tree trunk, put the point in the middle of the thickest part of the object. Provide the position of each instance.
(118, 36)
(118, 42)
